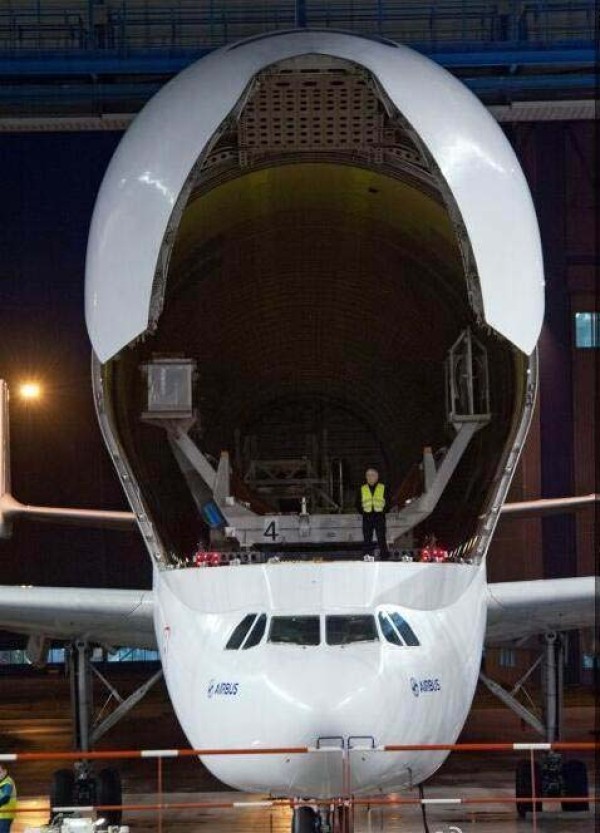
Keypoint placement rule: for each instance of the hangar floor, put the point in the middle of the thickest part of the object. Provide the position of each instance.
(492, 819)
(34, 716)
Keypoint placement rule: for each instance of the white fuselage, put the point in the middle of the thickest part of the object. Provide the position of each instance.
(152, 218)
(282, 695)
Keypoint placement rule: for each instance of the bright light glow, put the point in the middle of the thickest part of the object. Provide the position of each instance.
(30, 390)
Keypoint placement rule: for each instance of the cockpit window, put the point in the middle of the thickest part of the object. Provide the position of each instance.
(239, 634)
(343, 630)
(257, 632)
(404, 629)
(388, 630)
(295, 630)
(396, 629)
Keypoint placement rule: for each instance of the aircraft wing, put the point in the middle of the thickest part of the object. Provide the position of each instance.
(516, 611)
(548, 506)
(520, 609)
(104, 616)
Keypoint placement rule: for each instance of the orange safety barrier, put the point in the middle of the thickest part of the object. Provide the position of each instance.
(557, 746)
(347, 800)
(148, 753)
(488, 799)
(495, 747)
(369, 801)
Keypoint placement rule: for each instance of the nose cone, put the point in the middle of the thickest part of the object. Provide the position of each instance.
(334, 692)
(316, 699)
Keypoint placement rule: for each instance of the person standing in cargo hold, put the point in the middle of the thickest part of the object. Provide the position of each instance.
(371, 503)
(8, 800)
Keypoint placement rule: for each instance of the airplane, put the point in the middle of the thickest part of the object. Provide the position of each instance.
(312, 251)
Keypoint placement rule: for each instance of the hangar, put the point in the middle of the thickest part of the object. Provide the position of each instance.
(542, 97)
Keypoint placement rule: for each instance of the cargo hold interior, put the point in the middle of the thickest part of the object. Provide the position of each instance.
(319, 290)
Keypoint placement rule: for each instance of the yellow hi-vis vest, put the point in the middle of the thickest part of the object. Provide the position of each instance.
(375, 501)
(8, 810)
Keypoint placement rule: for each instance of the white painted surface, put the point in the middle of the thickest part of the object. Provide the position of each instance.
(125, 617)
(518, 609)
(289, 696)
(100, 614)
(152, 162)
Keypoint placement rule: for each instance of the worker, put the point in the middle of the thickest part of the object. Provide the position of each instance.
(371, 503)
(8, 800)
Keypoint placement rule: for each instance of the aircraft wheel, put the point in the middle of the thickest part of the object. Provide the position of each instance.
(523, 787)
(326, 820)
(343, 820)
(109, 792)
(575, 781)
(61, 790)
(305, 820)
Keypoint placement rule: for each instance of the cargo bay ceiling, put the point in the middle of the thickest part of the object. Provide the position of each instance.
(317, 280)
(306, 280)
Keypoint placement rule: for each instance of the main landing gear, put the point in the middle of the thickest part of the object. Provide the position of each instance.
(553, 778)
(552, 775)
(83, 786)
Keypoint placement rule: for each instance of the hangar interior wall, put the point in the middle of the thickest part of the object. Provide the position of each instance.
(560, 457)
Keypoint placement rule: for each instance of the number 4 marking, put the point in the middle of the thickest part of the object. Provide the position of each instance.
(270, 530)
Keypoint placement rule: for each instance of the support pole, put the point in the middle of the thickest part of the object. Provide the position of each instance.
(560, 683)
(84, 693)
(551, 684)
(124, 706)
(81, 694)
(70, 666)
(513, 704)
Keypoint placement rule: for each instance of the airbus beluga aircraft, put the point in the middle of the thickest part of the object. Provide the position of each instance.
(311, 252)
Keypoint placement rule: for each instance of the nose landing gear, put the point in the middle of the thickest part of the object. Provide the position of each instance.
(308, 820)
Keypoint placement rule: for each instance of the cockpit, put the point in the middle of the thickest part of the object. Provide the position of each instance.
(334, 630)
(248, 633)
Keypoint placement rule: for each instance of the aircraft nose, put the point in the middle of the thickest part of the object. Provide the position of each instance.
(302, 698)
(328, 695)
